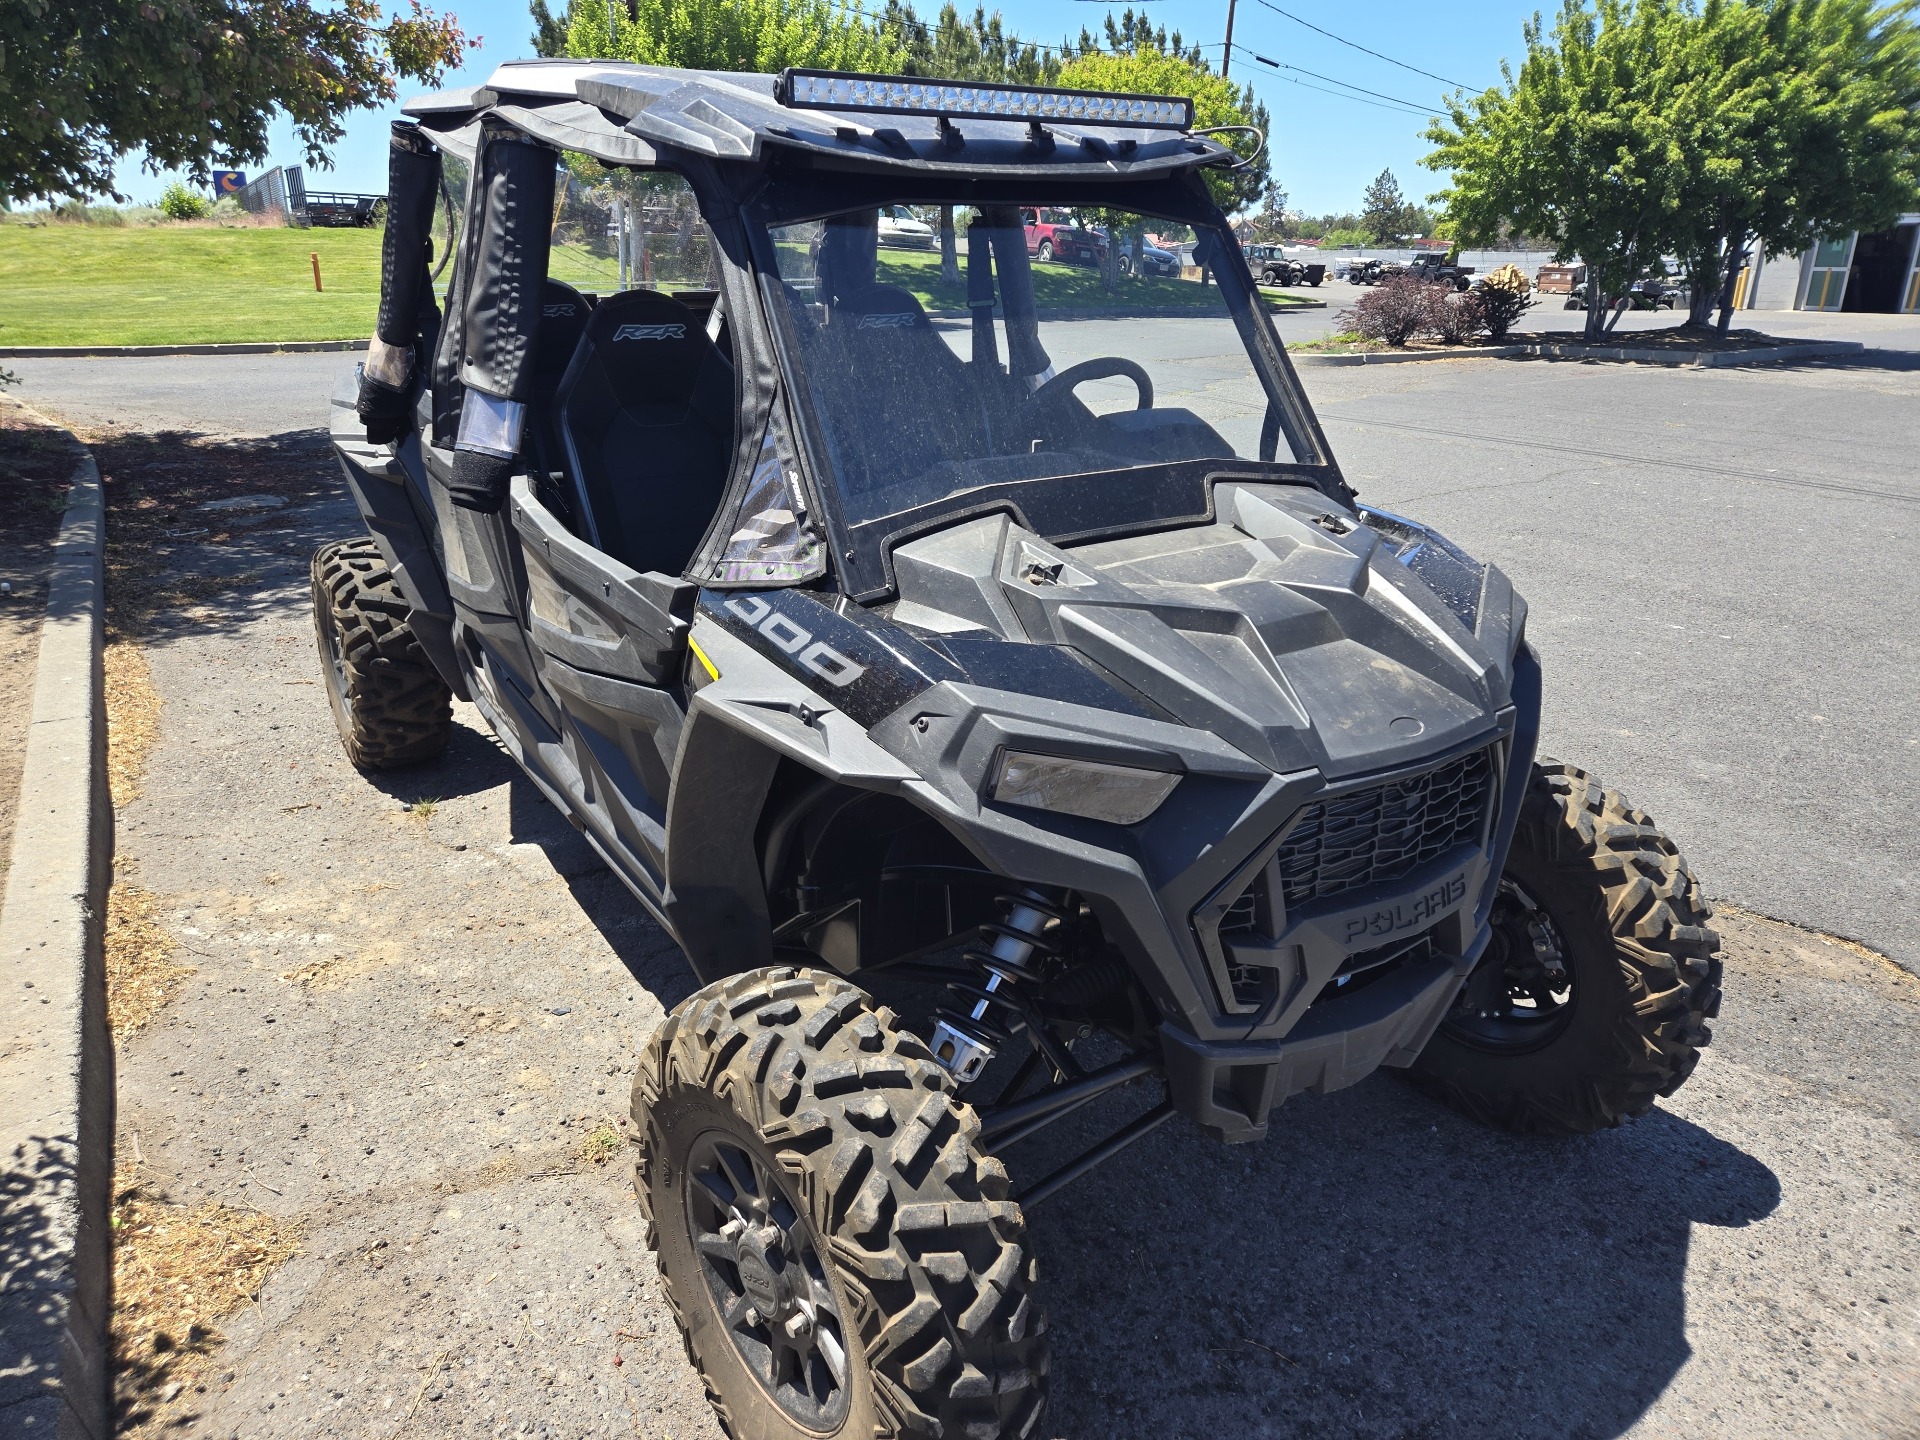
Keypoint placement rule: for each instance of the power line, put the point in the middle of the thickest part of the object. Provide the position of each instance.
(1343, 95)
(1413, 106)
(1363, 49)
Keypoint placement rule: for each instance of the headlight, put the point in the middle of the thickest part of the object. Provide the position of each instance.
(1122, 794)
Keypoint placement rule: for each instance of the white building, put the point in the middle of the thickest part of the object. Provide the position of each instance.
(1876, 272)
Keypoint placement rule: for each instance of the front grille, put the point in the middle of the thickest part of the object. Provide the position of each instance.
(1374, 836)
(1241, 916)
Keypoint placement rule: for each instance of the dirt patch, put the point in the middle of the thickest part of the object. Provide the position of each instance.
(183, 513)
(142, 973)
(1675, 340)
(178, 1271)
(35, 465)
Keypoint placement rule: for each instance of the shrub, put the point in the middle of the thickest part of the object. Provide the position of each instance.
(1504, 297)
(182, 202)
(1457, 316)
(1395, 310)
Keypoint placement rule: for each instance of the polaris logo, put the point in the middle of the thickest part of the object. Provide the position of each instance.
(651, 332)
(887, 322)
(554, 312)
(814, 655)
(1406, 914)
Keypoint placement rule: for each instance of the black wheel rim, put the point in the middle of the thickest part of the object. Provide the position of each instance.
(331, 653)
(763, 1268)
(1521, 994)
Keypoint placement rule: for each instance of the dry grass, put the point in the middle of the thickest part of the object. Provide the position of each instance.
(178, 1271)
(1840, 942)
(601, 1144)
(133, 718)
(142, 974)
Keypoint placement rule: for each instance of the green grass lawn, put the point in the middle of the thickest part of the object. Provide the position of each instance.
(191, 285)
(101, 285)
(1057, 285)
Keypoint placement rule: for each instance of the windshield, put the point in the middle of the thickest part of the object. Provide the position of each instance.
(1021, 354)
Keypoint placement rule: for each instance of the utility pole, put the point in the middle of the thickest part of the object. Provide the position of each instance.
(1226, 55)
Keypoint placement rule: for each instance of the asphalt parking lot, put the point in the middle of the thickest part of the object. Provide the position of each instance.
(403, 1025)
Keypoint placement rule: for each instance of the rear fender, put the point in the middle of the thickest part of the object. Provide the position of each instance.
(388, 484)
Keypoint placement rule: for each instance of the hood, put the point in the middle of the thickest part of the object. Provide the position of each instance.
(1303, 634)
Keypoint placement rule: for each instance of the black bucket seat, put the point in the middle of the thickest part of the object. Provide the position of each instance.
(646, 417)
(900, 401)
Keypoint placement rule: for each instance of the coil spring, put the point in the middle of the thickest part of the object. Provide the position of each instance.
(1007, 960)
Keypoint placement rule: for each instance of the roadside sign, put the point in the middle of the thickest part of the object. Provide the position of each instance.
(229, 182)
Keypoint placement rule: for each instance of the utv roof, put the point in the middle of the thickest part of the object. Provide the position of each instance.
(626, 114)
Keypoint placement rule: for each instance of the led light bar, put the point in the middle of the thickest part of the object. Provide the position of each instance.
(906, 95)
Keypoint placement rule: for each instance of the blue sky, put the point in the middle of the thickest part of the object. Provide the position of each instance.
(1326, 147)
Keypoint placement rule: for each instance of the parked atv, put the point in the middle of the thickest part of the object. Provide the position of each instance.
(1115, 745)
(1437, 269)
(1366, 270)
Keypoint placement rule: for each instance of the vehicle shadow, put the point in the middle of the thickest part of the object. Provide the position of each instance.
(1376, 1267)
(475, 761)
(1380, 1266)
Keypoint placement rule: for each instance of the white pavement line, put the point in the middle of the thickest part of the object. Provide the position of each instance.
(56, 1059)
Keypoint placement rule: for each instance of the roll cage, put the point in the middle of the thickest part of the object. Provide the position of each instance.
(752, 163)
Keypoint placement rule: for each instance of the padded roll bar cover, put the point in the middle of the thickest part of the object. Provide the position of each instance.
(413, 187)
(1025, 355)
(502, 313)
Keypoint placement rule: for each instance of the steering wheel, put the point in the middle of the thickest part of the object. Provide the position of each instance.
(1074, 376)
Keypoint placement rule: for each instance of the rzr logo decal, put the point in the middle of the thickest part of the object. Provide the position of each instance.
(651, 332)
(554, 312)
(888, 322)
(814, 655)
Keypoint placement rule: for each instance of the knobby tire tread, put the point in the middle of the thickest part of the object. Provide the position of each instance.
(1640, 888)
(864, 1124)
(396, 710)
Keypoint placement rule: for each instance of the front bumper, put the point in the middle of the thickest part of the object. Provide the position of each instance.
(1230, 1089)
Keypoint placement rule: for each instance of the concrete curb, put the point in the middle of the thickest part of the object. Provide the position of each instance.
(1710, 359)
(263, 347)
(56, 1057)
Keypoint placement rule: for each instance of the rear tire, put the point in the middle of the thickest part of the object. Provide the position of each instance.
(908, 1248)
(1593, 886)
(389, 703)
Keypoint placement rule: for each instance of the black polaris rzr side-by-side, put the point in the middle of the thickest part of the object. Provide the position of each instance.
(949, 641)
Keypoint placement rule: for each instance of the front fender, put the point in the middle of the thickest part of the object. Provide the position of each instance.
(739, 727)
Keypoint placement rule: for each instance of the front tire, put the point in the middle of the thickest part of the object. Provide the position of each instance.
(1045, 253)
(1594, 996)
(390, 705)
(840, 1256)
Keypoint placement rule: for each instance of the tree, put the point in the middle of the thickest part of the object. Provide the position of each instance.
(1272, 222)
(1643, 128)
(974, 48)
(761, 35)
(1217, 101)
(1384, 211)
(1576, 147)
(1800, 120)
(1146, 69)
(84, 82)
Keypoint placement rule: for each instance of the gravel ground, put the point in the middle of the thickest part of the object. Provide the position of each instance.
(404, 1027)
(408, 1019)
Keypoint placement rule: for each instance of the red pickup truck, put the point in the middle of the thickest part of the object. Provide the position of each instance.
(1052, 235)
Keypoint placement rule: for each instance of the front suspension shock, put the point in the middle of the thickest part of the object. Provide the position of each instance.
(968, 1036)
